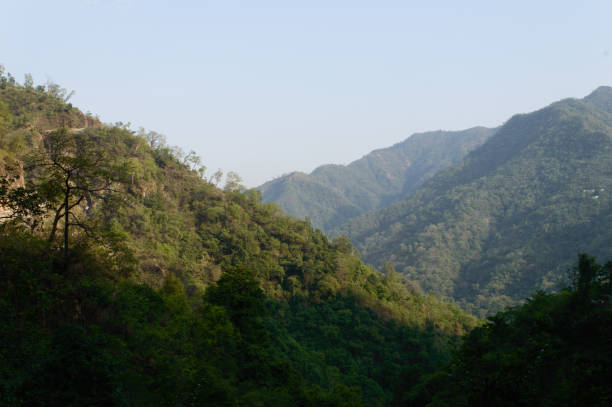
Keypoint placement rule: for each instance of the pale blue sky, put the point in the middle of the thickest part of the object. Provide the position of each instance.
(267, 87)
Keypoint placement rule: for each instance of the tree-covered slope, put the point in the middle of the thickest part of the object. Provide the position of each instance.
(333, 194)
(508, 219)
(554, 350)
(129, 279)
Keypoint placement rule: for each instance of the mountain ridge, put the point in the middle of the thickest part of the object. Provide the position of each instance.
(373, 181)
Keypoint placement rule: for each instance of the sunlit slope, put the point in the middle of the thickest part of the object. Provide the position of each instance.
(170, 283)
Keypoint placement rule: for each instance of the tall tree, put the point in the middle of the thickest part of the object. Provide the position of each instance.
(72, 173)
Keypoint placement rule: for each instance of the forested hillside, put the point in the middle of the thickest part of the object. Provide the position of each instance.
(333, 194)
(552, 351)
(129, 278)
(511, 217)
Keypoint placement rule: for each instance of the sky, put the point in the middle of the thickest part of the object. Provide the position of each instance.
(265, 88)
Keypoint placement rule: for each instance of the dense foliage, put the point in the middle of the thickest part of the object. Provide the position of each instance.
(80, 338)
(138, 282)
(553, 351)
(333, 194)
(509, 219)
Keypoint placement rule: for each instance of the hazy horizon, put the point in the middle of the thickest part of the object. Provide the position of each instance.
(264, 88)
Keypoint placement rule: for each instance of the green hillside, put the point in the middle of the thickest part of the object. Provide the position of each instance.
(552, 351)
(333, 194)
(129, 279)
(511, 217)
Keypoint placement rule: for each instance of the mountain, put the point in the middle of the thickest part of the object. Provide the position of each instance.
(510, 218)
(126, 278)
(333, 194)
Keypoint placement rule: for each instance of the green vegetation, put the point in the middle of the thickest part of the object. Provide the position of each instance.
(553, 351)
(333, 194)
(129, 278)
(509, 219)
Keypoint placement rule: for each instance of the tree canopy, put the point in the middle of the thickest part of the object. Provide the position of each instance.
(553, 350)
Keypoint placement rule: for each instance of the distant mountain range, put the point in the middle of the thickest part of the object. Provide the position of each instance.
(496, 223)
(333, 194)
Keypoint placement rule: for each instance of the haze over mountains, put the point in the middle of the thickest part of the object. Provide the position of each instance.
(333, 194)
(509, 218)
